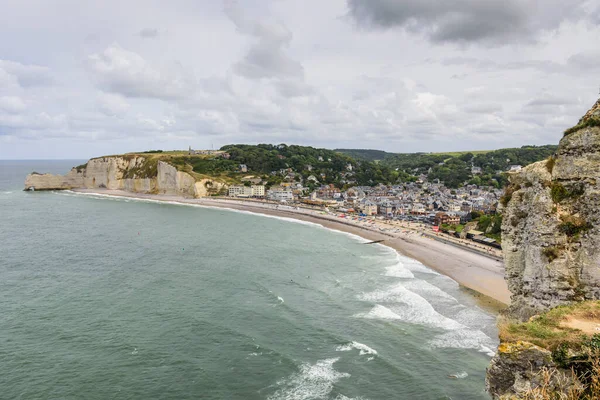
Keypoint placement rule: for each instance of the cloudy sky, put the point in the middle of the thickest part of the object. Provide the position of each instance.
(82, 78)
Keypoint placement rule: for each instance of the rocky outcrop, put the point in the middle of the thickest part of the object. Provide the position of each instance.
(519, 367)
(551, 227)
(135, 174)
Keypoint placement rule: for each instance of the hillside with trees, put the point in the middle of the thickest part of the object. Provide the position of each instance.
(454, 169)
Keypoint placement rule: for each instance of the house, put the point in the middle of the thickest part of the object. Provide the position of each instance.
(515, 168)
(476, 170)
(443, 218)
(386, 208)
(349, 167)
(243, 168)
(369, 208)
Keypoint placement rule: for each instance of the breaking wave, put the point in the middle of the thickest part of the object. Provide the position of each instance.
(313, 381)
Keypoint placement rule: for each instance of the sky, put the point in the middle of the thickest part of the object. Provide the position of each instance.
(81, 78)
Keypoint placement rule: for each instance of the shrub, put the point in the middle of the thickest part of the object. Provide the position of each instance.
(551, 253)
(590, 122)
(81, 168)
(560, 192)
(508, 193)
(573, 226)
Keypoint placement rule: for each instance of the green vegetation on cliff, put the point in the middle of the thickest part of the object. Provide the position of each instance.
(570, 325)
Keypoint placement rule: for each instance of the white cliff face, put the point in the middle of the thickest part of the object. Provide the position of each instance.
(71, 180)
(133, 174)
(551, 228)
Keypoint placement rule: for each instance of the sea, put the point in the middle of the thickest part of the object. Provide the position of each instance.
(115, 298)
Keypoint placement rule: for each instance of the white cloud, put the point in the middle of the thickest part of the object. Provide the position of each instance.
(125, 72)
(25, 75)
(112, 104)
(12, 104)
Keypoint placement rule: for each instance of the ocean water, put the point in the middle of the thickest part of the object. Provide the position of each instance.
(112, 298)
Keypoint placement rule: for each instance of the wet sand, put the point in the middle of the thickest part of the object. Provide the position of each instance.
(471, 267)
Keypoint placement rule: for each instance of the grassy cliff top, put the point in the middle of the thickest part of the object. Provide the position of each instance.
(572, 325)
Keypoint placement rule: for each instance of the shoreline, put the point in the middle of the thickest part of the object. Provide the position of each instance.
(469, 267)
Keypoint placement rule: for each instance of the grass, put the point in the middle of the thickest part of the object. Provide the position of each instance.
(546, 330)
(554, 385)
(147, 169)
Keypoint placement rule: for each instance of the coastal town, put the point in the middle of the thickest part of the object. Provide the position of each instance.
(426, 204)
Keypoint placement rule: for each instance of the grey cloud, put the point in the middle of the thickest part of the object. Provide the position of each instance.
(267, 56)
(548, 100)
(265, 60)
(467, 21)
(148, 33)
(585, 61)
(483, 108)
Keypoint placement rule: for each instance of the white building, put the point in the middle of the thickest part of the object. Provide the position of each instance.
(246, 191)
(281, 194)
(258, 190)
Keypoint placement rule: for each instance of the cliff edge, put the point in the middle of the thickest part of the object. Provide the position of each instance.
(132, 173)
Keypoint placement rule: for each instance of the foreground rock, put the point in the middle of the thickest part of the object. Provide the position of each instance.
(520, 367)
(135, 174)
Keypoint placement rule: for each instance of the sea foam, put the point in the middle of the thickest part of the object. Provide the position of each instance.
(313, 381)
(362, 348)
(405, 305)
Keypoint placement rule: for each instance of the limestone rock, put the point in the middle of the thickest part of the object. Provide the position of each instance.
(519, 367)
(551, 228)
(135, 174)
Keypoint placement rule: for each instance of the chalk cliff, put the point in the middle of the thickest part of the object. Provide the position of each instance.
(551, 245)
(551, 226)
(136, 174)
